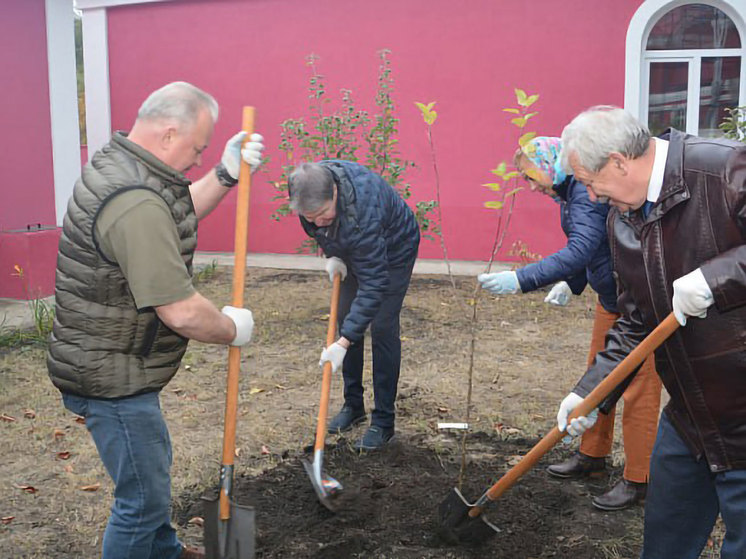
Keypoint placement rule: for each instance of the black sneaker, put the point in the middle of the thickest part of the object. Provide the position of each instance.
(345, 420)
(374, 438)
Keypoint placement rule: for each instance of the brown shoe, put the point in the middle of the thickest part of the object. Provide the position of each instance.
(192, 552)
(623, 495)
(577, 466)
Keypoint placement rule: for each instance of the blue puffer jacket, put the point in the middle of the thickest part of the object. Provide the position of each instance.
(586, 258)
(373, 232)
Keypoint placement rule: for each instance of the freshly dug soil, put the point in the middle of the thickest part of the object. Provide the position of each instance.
(389, 506)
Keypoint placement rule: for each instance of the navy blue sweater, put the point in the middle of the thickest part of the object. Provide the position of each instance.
(586, 257)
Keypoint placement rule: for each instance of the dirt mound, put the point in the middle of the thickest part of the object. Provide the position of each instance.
(388, 508)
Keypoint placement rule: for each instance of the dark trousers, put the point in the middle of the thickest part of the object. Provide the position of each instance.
(684, 499)
(384, 333)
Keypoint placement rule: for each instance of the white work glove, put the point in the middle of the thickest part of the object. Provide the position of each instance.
(501, 283)
(335, 265)
(244, 321)
(251, 152)
(691, 296)
(559, 294)
(335, 354)
(579, 425)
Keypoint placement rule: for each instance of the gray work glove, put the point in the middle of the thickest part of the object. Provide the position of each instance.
(336, 265)
(244, 321)
(335, 354)
(578, 425)
(691, 296)
(559, 295)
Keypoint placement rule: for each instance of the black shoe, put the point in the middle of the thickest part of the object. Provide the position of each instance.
(374, 438)
(345, 420)
(577, 466)
(623, 495)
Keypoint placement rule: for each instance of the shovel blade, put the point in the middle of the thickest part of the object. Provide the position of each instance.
(326, 497)
(458, 527)
(234, 538)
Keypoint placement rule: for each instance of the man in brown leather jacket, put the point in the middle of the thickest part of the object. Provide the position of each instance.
(677, 232)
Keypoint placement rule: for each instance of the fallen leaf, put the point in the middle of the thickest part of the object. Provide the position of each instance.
(403, 338)
(27, 488)
(265, 450)
(513, 460)
(443, 409)
(256, 390)
(6, 520)
(471, 302)
(324, 317)
(177, 391)
(187, 367)
(80, 420)
(64, 455)
(237, 452)
(6, 417)
(29, 414)
(196, 521)
(281, 387)
(93, 487)
(59, 433)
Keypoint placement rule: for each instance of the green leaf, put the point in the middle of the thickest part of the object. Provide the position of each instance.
(532, 99)
(526, 138)
(494, 204)
(520, 96)
(513, 192)
(430, 105)
(514, 111)
(529, 115)
(500, 169)
(421, 106)
(494, 186)
(520, 122)
(511, 175)
(431, 117)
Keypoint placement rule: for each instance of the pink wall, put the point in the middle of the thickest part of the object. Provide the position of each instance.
(466, 56)
(35, 253)
(26, 183)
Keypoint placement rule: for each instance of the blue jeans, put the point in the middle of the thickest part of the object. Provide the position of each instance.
(386, 350)
(133, 442)
(684, 499)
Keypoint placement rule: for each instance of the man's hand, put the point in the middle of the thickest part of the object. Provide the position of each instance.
(335, 354)
(559, 295)
(335, 265)
(579, 425)
(231, 160)
(244, 321)
(501, 283)
(691, 296)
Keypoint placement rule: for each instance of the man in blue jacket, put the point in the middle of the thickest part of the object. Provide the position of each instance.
(364, 228)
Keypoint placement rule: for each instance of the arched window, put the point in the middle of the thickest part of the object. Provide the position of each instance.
(691, 65)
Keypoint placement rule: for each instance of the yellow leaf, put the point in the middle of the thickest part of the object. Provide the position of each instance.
(514, 111)
(520, 96)
(403, 338)
(494, 204)
(520, 122)
(324, 317)
(526, 138)
(256, 390)
(93, 487)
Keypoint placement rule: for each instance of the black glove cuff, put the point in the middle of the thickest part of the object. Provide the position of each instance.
(224, 177)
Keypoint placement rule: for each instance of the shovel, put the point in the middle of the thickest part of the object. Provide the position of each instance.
(326, 487)
(464, 522)
(230, 529)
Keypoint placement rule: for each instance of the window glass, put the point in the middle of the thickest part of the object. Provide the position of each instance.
(718, 89)
(694, 26)
(668, 96)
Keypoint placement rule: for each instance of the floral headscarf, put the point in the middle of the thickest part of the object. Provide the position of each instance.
(544, 152)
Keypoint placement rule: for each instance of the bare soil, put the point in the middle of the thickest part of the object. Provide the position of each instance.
(528, 356)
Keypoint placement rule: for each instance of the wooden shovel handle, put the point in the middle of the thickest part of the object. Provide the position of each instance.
(591, 402)
(326, 379)
(239, 277)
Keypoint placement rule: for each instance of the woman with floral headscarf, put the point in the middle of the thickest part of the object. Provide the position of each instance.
(586, 259)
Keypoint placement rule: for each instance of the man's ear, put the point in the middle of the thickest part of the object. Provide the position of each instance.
(619, 163)
(167, 138)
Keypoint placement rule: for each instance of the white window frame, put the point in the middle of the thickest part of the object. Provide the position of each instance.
(638, 58)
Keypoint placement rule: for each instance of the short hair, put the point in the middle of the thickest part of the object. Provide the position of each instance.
(310, 186)
(178, 101)
(597, 132)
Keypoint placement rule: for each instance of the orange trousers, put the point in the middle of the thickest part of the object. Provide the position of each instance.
(642, 401)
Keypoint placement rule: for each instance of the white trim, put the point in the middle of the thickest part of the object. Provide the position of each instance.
(646, 16)
(97, 100)
(92, 4)
(63, 101)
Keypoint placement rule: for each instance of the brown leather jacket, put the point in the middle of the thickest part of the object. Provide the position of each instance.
(699, 221)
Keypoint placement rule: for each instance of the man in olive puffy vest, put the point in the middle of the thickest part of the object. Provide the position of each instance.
(126, 306)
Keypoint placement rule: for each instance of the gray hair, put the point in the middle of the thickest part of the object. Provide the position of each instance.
(597, 132)
(310, 186)
(178, 101)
